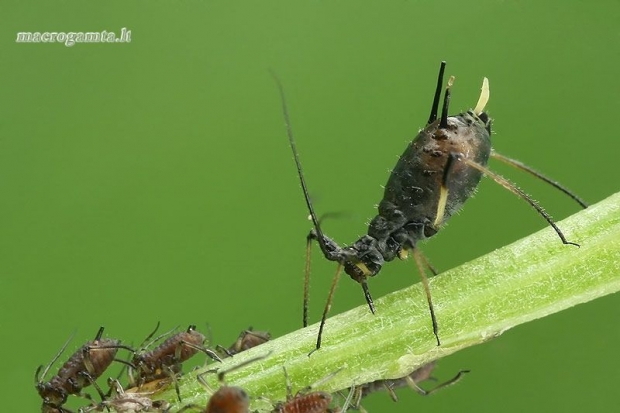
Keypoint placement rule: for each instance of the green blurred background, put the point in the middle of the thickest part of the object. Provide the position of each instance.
(152, 181)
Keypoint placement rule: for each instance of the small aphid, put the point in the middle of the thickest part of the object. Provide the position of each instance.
(81, 370)
(227, 399)
(246, 340)
(306, 401)
(412, 380)
(128, 402)
(165, 361)
(438, 171)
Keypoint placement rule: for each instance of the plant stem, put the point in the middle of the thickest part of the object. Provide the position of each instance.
(478, 301)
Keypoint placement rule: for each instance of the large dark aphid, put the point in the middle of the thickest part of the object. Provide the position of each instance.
(165, 361)
(438, 171)
(81, 370)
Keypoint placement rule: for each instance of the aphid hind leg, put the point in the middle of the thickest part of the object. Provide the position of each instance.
(515, 190)
(355, 399)
(212, 354)
(328, 305)
(174, 377)
(413, 385)
(311, 236)
(93, 382)
(520, 165)
(420, 261)
(390, 391)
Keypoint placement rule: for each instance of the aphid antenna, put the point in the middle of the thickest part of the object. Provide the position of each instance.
(37, 378)
(300, 173)
(146, 343)
(331, 253)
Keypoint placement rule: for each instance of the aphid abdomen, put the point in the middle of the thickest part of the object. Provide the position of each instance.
(78, 371)
(166, 358)
(409, 205)
(191, 337)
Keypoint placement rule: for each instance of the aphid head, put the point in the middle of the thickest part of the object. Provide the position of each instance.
(53, 397)
(363, 260)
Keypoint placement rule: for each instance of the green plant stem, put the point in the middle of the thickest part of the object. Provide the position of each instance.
(478, 301)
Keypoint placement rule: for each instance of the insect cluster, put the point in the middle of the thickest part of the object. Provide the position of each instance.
(438, 171)
(153, 368)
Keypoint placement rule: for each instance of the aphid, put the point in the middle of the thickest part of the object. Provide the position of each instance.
(438, 171)
(81, 370)
(165, 361)
(227, 399)
(412, 380)
(306, 401)
(128, 402)
(246, 340)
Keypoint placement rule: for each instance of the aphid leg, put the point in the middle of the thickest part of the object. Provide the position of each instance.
(443, 192)
(347, 400)
(309, 239)
(515, 190)
(289, 386)
(411, 382)
(428, 264)
(190, 406)
(420, 261)
(390, 390)
(173, 376)
(328, 306)
(224, 350)
(212, 354)
(520, 165)
(92, 381)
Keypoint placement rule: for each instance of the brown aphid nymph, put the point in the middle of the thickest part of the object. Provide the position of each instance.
(165, 361)
(81, 370)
